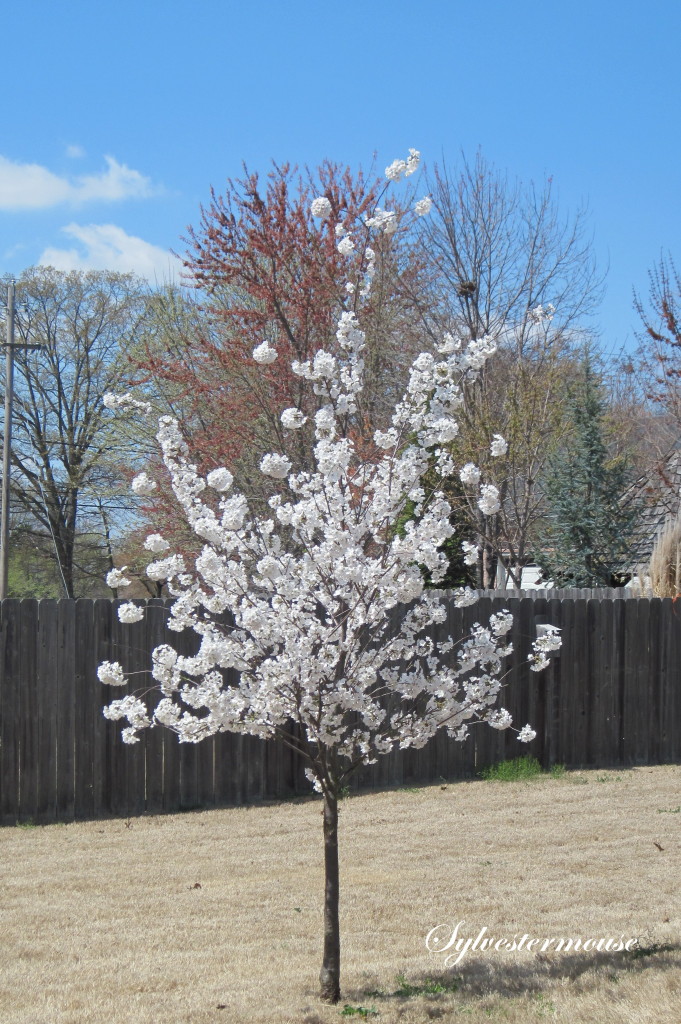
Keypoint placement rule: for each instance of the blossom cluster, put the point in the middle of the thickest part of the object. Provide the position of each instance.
(328, 620)
(547, 641)
(126, 403)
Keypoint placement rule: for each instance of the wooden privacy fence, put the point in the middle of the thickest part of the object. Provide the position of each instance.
(612, 697)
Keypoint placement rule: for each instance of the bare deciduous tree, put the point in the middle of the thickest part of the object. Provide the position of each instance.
(501, 254)
(66, 459)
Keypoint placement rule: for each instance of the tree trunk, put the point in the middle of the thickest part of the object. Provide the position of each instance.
(329, 976)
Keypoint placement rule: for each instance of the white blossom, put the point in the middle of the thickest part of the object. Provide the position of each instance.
(403, 168)
(143, 485)
(117, 578)
(325, 422)
(396, 170)
(346, 246)
(501, 623)
(470, 552)
(264, 353)
(156, 543)
(500, 719)
(293, 419)
(478, 351)
(220, 479)
(489, 502)
(526, 734)
(134, 710)
(383, 220)
(130, 612)
(386, 439)
(498, 446)
(470, 475)
(166, 568)
(111, 674)
(413, 161)
(539, 315)
(547, 641)
(277, 466)
(126, 403)
(313, 780)
(449, 345)
(321, 207)
(423, 207)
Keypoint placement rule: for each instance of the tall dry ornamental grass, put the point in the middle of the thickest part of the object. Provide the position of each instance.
(664, 571)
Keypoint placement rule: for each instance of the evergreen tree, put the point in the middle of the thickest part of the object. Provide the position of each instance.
(589, 526)
(459, 573)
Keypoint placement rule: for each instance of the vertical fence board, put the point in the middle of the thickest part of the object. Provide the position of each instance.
(651, 740)
(46, 678)
(619, 616)
(189, 755)
(155, 738)
(171, 773)
(488, 741)
(205, 788)
(66, 710)
(28, 725)
(102, 729)
(595, 695)
(228, 769)
(564, 754)
(670, 704)
(579, 702)
(643, 682)
(460, 753)
(137, 661)
(603, 687)
(252, 768)
(273, 768)
(537, 690)
(551, 677)
(301, 783)
(664, 630)
(630, 681)
(512, 695)
(189, 772)
(88, 707)
(229, 759)
(529, 712)
(10, 711)
(116, 750)
(171, 748)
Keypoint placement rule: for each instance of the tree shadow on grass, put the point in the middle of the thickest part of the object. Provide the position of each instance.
(536, 976)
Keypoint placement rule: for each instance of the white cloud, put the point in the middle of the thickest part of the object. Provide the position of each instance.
(75, 152)
(32, 187)
(108, 247)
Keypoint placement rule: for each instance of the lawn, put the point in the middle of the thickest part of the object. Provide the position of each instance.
(215, 917)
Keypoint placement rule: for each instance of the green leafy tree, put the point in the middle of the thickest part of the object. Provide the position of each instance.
(590, 524)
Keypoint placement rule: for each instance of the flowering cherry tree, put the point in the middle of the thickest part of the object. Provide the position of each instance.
(329, 622)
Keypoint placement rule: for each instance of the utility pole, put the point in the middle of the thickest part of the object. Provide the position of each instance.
(10, 346)
(7, 440)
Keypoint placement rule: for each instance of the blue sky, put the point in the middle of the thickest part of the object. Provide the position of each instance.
(117, 118)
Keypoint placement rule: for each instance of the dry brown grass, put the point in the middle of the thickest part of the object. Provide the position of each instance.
(216, 916)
